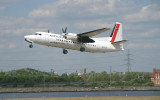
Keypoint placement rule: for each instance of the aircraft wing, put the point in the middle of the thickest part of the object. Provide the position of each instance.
(93, 33)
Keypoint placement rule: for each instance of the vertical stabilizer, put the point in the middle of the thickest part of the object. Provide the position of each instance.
(116, 33)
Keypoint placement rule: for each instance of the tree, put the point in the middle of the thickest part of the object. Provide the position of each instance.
(29, 83)
(65, 77)
(15, 84)
(73, 78)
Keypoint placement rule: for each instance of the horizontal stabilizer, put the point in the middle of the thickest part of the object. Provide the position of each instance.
(119, 42)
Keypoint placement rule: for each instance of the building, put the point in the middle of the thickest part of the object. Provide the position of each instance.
(155, 77)
(83, 70)
(82, 74)
(53, 72)
(118, 73)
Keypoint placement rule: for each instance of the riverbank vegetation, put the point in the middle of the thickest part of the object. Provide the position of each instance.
(34, 78)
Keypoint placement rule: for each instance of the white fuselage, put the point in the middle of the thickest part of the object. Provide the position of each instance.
(101, 45)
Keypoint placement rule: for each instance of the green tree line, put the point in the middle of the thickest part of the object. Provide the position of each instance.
(30, 77)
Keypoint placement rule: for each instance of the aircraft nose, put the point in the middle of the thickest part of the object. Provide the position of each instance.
(25, 37)
(29, 38)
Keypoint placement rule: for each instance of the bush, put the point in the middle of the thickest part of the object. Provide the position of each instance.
(29, 83)
(14, 84)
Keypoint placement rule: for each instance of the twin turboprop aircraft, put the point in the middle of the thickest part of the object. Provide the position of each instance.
(82, 42)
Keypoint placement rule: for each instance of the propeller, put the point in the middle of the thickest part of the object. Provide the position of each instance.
(64, 32)
(48, 31)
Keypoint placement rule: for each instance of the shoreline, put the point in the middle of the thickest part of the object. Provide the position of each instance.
(74, 89)
(94, 98)
(79, 91)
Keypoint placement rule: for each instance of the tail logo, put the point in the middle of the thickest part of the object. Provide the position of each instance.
(115, 32)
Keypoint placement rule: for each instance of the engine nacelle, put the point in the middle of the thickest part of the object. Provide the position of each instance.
(71, 36)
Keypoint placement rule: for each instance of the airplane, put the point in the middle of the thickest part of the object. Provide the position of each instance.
(81, 42)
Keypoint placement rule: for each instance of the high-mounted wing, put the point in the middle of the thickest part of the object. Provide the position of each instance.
(93, 33)
(84, 37)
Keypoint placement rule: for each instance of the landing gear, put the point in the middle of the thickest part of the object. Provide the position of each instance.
(82, 49)
(30, 46)
(65, 51)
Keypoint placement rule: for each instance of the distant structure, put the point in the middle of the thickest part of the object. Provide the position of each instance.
(53, 72)
(118, 73)
(128, 61)
(76, 73)
(155, 77)
(83, 70)
(82, 73)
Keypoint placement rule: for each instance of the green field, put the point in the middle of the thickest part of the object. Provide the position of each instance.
(96, 98)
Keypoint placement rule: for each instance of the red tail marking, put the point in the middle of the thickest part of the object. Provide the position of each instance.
(115, 33)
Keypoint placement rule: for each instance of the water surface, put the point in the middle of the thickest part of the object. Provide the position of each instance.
(78, 94)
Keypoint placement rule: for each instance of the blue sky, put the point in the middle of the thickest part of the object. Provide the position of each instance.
(141, 26)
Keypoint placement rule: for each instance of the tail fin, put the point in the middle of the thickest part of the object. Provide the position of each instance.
(116, 36)
(116, 33)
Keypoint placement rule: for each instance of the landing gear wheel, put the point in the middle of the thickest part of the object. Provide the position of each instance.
(65, 51)
(82, 49)
(31, 46)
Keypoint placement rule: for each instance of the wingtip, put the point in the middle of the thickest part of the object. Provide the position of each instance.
(107, 28)
(126, 40)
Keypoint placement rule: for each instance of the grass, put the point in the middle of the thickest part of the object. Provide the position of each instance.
(96, 98)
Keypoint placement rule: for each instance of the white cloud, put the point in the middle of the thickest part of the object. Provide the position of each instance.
(11, 45)
(20, 25)
(142, 46)
(7, 1)
(2, 8)
(7, 45)
(78, 8)
(151, 33)
(79, 14)
(146, 13)
(1, 46)
(38, 13)
(93, 24)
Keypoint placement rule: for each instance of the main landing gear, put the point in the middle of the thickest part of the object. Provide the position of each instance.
(82, 49)
(65, 51)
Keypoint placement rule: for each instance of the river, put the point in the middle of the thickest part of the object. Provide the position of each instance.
(78, 94)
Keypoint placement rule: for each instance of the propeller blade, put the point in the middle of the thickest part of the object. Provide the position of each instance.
(64, 30)
(48, 31)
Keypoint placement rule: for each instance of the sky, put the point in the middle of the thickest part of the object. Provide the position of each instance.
(141, 26)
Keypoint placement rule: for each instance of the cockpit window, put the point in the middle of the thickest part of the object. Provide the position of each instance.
(37, 34)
